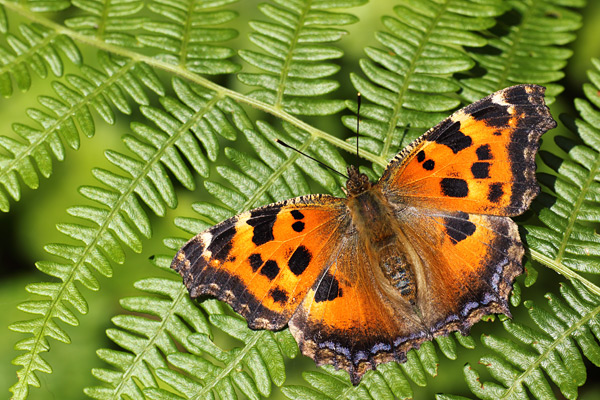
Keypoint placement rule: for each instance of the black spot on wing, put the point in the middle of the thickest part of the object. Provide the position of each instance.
(263, 219)
(495, 192)
(421, 156)
(256, 261)
(297, 214)
(454, 187)
(298, 226)
(221, 243)
(459, 227)
(270, 269)
(480, 170)
(516, 95)
(299, 260)
(429, 165)
(452, 137)
(328, 290)
(279, 296)
(484, 152)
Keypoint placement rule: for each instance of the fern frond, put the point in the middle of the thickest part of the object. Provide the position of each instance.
(36, 49)
(553, 349)
(65, 115)
(409, 80)
(187, 34)
(295, 44)
(117, 218)
(528, 47)
(568, 239)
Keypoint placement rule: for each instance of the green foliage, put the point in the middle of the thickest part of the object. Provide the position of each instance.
(204, 106)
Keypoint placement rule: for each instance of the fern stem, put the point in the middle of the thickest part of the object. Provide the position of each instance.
(192, 77)
(289, 56)
(273, 177)
(63, 294)
(25, 57)
(185, 38)
(150, 345)
(565, 271)
(511, 55)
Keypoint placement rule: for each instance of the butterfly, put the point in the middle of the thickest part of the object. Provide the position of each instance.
(427, 250)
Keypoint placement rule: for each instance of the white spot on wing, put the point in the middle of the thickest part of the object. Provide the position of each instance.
(206, 238)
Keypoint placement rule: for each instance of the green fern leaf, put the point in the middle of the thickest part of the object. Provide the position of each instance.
(549, 350)
(167, 346)
(65, 116)
(112, 21)
(116, 219)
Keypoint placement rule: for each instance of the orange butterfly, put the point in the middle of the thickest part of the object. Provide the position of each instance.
(427, 250)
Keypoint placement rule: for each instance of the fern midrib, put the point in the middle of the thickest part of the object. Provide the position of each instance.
(156, 158)
(290, 55)
(575, 211)
(193, 77)
(27, 55)
(402, 92)
(103, 18)
(187, 29)
(533, 366)
(256, 336)
(41, 140)
(516, 39)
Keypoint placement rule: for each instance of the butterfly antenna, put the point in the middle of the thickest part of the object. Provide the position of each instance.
(321, 163)
(358, 97)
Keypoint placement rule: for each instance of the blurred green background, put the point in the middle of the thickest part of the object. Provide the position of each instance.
(30, 224)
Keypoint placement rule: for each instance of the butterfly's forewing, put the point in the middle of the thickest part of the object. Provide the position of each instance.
(479, 160)
(263, 262)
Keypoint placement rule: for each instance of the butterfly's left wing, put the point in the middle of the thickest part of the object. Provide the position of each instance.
(263, 262)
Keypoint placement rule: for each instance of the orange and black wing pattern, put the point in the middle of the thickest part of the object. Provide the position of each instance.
(263, 262)
(479, 160)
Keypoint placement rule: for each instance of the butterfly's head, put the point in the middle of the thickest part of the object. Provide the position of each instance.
(357, 182)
